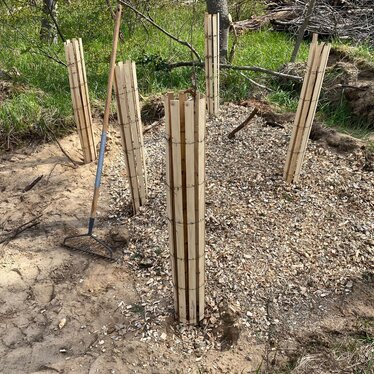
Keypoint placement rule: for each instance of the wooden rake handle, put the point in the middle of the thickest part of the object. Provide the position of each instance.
(111, 68)
(100, 161)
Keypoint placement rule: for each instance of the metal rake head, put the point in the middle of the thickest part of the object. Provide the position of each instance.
(91, 245)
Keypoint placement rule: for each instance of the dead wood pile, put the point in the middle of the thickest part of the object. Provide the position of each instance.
(345, 19)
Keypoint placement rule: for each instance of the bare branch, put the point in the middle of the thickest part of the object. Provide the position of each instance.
(255, 83)
(183, 42)
(234, 67)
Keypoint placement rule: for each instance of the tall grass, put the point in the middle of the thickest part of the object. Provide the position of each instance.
(23, 53)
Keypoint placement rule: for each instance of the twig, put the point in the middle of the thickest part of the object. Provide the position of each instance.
(245, 123)
(38, 50)
(234, 67)
(18, 230)
(110, 9)
(75, 163)
(256, 83)
(151, 126)
(33, 183)
(183, 42)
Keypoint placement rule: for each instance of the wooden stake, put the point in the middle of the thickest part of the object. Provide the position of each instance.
(215, 40)
(80, 98)
(131, 130)
(312, 109)
(86, 126)
(317, 62)
(91, 134)
(68, 46)
(123, 106)
(185, 124)
(139, 122)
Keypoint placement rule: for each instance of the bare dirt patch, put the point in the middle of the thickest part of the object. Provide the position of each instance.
(282, 261)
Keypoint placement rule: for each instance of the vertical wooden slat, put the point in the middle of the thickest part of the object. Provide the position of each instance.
(91, 134)
(304, 113)
(68, 46)
(78, 102)
(190, 208)
(300, 108)
(210, 62)
(200, 201)
(178, 198)
(317, 61)
(80, 98)
(139, 122)
(215, 48)
(121, 114)
(321, 68)
(133, 130)
(128, 145)
(86, 126)
(207, 64)
(170, 203)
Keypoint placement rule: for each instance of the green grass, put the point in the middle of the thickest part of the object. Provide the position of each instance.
(47, 81)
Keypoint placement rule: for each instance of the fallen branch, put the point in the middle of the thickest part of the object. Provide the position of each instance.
(75, 163)
(18, 230)
(33, 183)
(234, 67)
(245, 123)
(151, 126)
(183, 42)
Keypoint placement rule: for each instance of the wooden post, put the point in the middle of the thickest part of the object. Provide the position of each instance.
(131, 129)
(211, 27)
(80, 97)
(316, 67)
(185, 179)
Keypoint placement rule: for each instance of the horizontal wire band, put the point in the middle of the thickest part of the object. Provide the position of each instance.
(190, 289)
(129, 123)
(80, 86)
(170, 141)
(188, 186)
(185, 223)
(129, 151)
(189, 259)
(123, 93)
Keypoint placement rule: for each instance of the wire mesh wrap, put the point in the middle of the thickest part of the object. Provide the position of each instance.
(128, 108)
(80, 97)
(185, 182)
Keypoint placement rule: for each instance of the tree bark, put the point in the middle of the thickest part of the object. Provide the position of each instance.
(48, 30)
(221, 7)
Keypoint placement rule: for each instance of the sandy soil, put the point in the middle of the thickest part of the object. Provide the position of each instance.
(62, 311)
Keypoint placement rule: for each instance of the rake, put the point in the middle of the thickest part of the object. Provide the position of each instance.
(95, 246)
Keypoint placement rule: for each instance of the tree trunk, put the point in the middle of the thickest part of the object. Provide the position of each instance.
(220, 6)
(48, 31)
(300, 35)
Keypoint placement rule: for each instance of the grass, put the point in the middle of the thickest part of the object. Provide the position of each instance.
(47, 81)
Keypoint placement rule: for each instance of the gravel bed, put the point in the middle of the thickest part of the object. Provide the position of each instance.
(266, 241)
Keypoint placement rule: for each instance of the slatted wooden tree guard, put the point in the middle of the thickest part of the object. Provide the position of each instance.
(128, 108)
(185, 179)
(212, 62)
(310, 92)
(80, 97)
